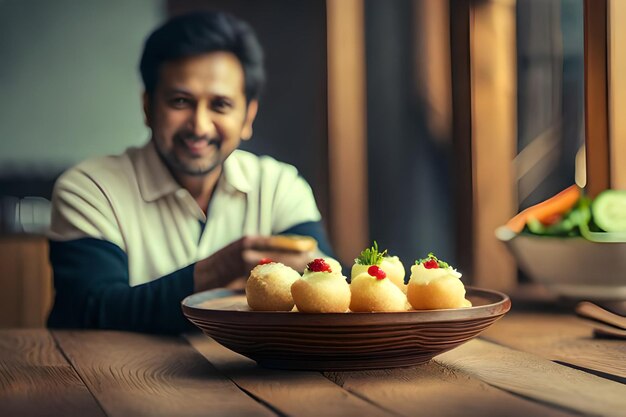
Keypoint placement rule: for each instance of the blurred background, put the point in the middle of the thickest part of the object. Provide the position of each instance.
(421, 124)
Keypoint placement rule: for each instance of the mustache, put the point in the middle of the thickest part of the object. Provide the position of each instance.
(183, 136)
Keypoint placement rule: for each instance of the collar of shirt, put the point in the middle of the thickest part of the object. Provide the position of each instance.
(155, 181)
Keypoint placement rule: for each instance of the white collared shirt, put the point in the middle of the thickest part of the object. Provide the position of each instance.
(133, 201)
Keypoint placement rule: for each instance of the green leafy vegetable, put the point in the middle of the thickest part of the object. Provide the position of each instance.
(371, 256)
(579, 221)
(568, 225)
(432, 256)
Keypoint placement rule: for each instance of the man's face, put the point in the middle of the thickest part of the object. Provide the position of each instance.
(198, 113)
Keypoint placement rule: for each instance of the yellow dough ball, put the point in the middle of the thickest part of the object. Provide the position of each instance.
(466, 303)
(269, 287)
(390, 264)
(321, 290)
(358, 269)
(435, 288)
(395, 271)
(372, 294)
(334, 264)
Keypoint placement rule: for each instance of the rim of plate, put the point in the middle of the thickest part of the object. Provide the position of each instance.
(190, 309)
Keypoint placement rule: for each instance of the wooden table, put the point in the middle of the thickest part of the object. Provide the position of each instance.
(527, 364)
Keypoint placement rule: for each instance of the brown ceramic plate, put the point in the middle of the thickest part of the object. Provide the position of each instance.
(340, 341)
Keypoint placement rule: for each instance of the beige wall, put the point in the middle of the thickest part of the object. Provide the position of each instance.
(69, 79)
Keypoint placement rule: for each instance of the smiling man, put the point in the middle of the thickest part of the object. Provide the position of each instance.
(133, 234)
(198, 114)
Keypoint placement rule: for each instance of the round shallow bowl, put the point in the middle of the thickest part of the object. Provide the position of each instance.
(340, 341)
(571, 267)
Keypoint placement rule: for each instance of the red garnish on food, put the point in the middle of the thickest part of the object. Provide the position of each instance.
(431, 264)
(318, 265)
(377, 272)
(264, 261)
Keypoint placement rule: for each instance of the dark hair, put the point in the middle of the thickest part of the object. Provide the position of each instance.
(202, 32)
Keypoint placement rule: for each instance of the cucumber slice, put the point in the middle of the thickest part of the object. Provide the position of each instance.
(609, 210)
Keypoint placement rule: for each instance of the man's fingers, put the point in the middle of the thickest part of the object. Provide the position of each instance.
(254, 242)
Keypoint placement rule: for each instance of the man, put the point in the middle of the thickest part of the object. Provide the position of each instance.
(131, 235)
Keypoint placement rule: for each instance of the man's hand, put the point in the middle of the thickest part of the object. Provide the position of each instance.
(226, 267)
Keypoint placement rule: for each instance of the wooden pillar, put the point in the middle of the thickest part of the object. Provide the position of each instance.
(617, 93)
(494, 136)
(433, 81)
(462, 136)
(596, 97)
(485, 134)
(347, 146)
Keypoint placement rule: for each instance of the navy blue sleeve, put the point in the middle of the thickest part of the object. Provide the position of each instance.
(92, 291)
(314, 230)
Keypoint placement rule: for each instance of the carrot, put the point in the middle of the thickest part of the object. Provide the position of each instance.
(558, 204)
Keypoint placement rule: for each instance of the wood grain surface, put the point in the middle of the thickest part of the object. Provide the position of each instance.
(437, 390)
(533, 377)
(433, 389)
(563, 338)
(134, 374)
(293, 393)
(97, 373)
(36, 380)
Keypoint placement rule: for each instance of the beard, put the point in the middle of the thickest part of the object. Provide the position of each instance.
(179, 160)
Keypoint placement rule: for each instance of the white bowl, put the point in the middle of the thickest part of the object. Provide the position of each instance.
(572, 267)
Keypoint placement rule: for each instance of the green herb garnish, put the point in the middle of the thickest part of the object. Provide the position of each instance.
(431, 256)
(371, 256)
